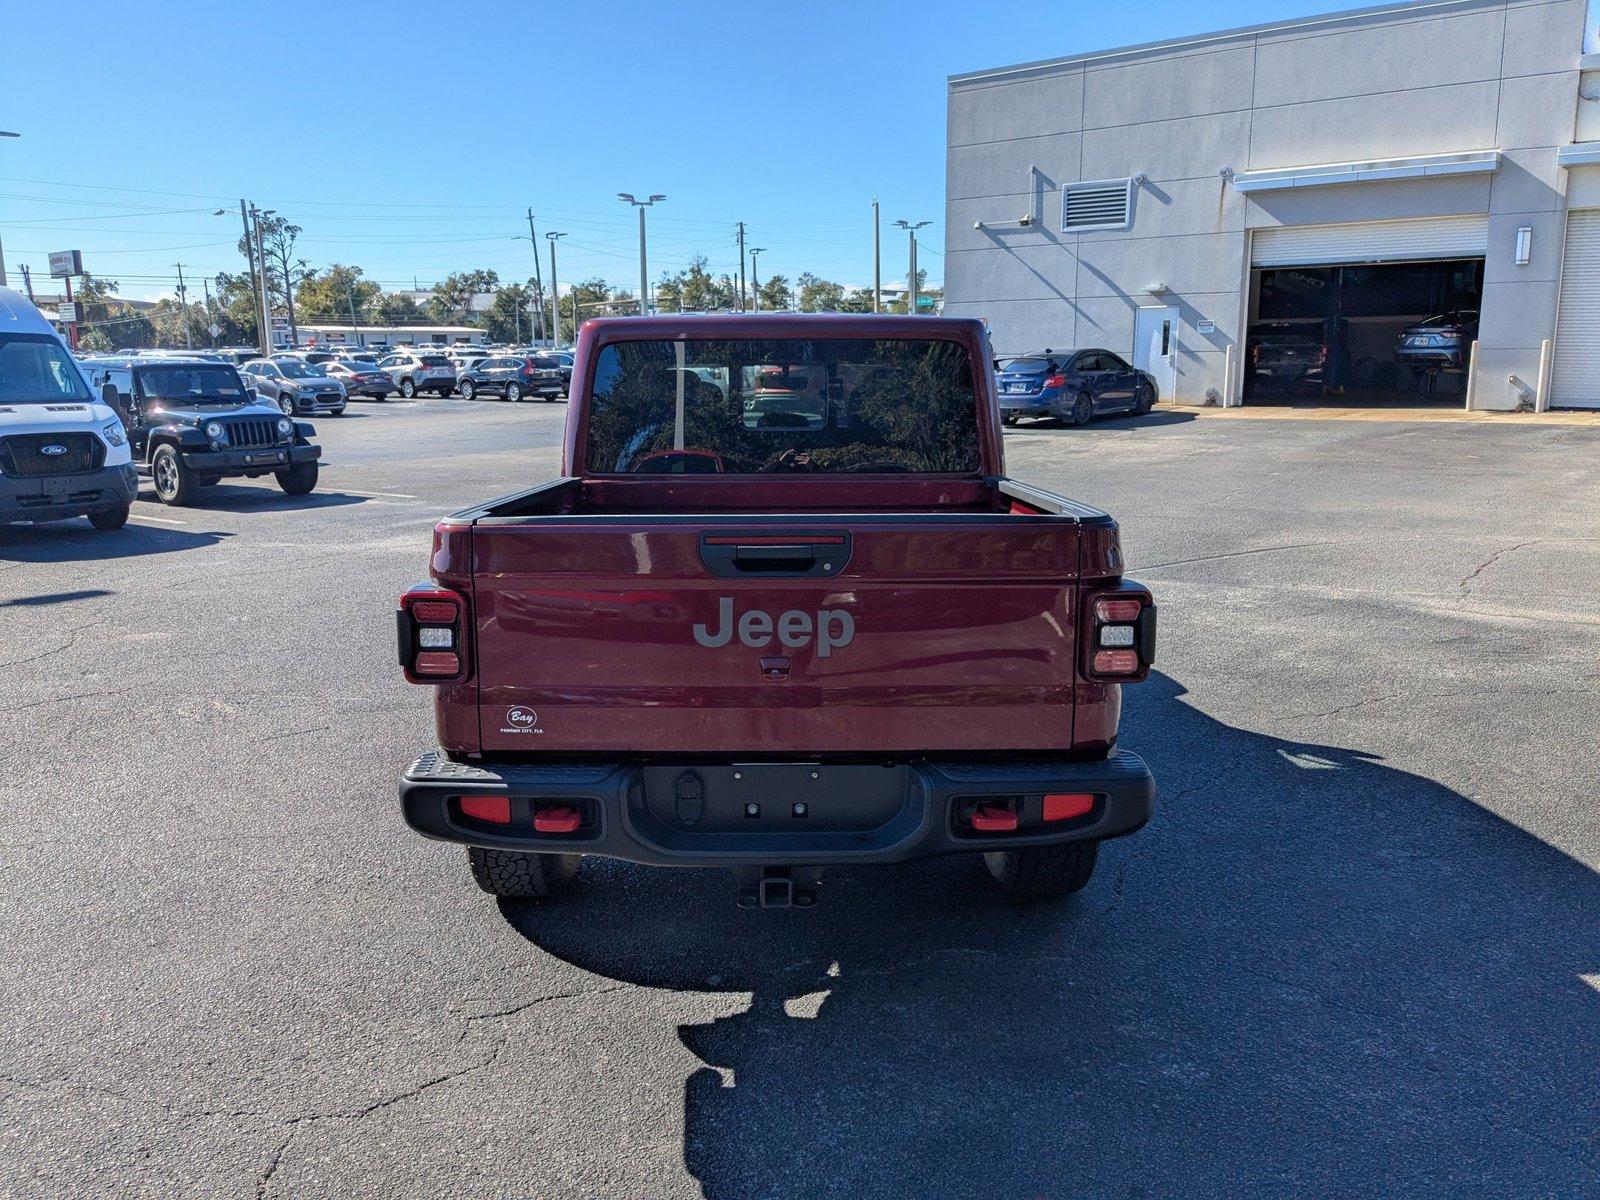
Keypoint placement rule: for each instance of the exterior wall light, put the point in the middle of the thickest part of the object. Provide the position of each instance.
(1524, 245)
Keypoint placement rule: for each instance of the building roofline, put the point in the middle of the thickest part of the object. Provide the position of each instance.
(1221, 37)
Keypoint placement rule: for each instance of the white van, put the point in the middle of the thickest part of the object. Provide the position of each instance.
(62, 452)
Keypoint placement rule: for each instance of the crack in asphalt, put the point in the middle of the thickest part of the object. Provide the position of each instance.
(1466, 584)
(534, 1003)
(1181, 562)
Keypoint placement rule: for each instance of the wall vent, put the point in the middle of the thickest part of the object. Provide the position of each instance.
(1101, 204)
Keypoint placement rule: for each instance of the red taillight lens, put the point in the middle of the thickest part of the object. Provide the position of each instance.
(556, 818)
(1064, 806)
(434, 612)
(1322, 354)
(1056, 381)
(437, 662)
(1117, 612)
(1116, 662)
(494, 809)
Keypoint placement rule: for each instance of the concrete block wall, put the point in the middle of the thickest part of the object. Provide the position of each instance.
(1417, 79)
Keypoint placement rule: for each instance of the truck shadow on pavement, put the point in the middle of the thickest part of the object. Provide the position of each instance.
(1311, 974)
(77, 541)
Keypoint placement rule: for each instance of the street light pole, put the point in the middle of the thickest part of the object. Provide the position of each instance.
(183, 307)
(755, 281)
(538, 276)
(877, 259)
(266, 301)
(644, 273)
(555, 293)
(741, 266)
(911, 280)
(5, 133)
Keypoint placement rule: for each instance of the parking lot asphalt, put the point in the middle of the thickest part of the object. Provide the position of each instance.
(1357, 951)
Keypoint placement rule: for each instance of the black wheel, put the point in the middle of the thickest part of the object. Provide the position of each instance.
(513, 391)
(408, 389)
(287, 405)
(468, 389)
(175, 483)
(1010, 418)
(1043, 872)
(513, 875)
(1145, 400)
(110, 518)
(1082, 409)
(298, 479)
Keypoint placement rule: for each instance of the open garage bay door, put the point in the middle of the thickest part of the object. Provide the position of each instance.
(1370, 241)
(1576, 381)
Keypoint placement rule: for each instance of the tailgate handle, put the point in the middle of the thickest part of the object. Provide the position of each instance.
(731, 555)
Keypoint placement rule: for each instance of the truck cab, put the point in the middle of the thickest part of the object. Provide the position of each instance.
(63, 454)
(782, 609)
(191, 423)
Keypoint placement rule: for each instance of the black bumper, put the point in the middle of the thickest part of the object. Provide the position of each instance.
(254, 461)
(60, 497)
(699, 813)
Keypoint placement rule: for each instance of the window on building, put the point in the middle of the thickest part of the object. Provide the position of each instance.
(1101, 204)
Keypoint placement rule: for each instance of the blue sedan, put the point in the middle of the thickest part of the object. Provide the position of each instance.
(1073, 386)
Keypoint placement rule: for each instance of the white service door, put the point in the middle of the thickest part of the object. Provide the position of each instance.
(1575, 382)
(1155, 346)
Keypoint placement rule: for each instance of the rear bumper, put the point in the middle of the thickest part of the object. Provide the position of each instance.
(1430, 356)
(57, 498)
(1039, 405)
(848, 812)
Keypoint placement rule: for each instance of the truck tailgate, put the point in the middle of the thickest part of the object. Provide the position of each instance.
(794, 635)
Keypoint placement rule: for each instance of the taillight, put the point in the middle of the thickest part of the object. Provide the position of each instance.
(432, 628)
(1119, 634)
(1322, 355)
(1255, 353)
(1056, 381)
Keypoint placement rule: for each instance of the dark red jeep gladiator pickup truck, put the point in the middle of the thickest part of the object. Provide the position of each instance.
(783, 609)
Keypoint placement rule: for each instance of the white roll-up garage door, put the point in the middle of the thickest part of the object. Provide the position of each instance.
(1370, 241)
(1575, 382)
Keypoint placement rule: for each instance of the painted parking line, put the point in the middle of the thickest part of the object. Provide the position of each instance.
(139, 516)
(377, 495)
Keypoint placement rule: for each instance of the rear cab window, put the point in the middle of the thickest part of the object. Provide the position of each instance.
(783, 406)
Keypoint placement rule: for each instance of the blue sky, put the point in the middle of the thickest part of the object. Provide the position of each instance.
(409, 138)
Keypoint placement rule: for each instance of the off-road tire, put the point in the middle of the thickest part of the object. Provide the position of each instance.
(1042, 872)
(110, 518)
(408, 389)
(469, 390)
(512, 875)
(298, 479)
(175, 483)
(513, 391)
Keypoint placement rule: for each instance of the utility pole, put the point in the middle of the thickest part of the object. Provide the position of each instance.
(877, 260)
(211, 315)
(555, 292)
(644, 274)
(6, 133)
(538, 277)
(755, 282)
(350, 294)
(183, 307)
(741, 266)
(27, 282)
(911, 280)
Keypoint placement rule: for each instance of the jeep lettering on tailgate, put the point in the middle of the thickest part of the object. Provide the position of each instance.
(831, 627)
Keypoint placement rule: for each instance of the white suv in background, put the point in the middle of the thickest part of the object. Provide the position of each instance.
(416, 371)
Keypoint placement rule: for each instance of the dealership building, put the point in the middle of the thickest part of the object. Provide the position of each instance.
(1309, 192)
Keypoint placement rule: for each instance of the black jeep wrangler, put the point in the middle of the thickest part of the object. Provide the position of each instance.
(192, 422)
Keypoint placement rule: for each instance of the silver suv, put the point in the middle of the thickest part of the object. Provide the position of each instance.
(416, 371)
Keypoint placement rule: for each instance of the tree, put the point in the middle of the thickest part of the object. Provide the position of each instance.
(397, 308)
(284, 270)
(178, 326)
(452, 299)
(776, 295)
(330, 295)
(819, 295)
(856, 300)
(901, 305)
(235, 309)
(105, 322)
(509, 318)
(695, 289)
